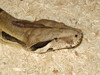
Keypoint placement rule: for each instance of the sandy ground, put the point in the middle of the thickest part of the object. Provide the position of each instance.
(83, 60)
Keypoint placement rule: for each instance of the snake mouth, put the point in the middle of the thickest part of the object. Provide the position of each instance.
(39, 45)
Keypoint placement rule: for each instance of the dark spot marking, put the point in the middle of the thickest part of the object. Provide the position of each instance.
(1, 10)
(55, 71)
(4, 62)
(11, 38)
(55, 38)
(76, 53)
(50, 49)
(70, 41)
(40, 45)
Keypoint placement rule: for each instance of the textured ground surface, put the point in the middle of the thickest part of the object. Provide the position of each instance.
(83, 60)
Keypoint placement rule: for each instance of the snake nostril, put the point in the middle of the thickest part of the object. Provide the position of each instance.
(76, 35)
